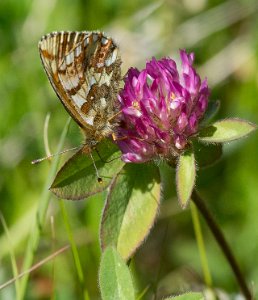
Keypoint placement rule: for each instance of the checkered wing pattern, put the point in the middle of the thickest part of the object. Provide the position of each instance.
(84, 69)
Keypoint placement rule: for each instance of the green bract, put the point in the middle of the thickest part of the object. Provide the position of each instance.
(185, 177)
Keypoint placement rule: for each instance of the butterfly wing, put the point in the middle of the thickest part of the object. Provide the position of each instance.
(84, 70)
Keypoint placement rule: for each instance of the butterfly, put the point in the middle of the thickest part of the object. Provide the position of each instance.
(84, 68)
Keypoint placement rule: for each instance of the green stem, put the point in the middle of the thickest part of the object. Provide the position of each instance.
(201, 246)
(224, 246)
(74, 249)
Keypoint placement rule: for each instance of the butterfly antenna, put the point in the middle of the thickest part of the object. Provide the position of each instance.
(100, 180)
(37, 161)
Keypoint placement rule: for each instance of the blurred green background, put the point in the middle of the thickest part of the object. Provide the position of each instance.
(224, 36)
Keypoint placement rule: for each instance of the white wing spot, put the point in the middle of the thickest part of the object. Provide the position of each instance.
(104, 41)
(78, 51)
(89, 119)
(69, 58)
(53, 66)
(87, 41)
(92, 80)
(62, 66)
(69, 83)
(54, 48)
(99, 65)
(78, 100)
(97, 76)
(95, 37)
(62, 37)
(103, 102)
(105, 79)
(111, 59)
(76, 36)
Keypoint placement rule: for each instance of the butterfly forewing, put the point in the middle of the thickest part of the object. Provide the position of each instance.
(84, 70)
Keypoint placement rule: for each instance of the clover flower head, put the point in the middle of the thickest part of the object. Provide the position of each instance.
(161, 109)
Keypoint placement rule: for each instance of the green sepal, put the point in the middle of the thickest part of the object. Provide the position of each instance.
(185, 177)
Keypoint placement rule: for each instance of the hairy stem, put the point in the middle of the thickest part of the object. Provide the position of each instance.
(219, 236)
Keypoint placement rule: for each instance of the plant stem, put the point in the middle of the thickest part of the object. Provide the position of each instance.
(219, 236)
(201, 246)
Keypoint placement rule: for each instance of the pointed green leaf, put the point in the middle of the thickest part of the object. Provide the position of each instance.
(185, 177)
(226, 130)
(114, 277)
(206, 154)
(188, 296)
(131, 208)
(77, 179)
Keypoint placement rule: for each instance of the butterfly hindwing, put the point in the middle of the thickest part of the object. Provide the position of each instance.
(84, 70)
